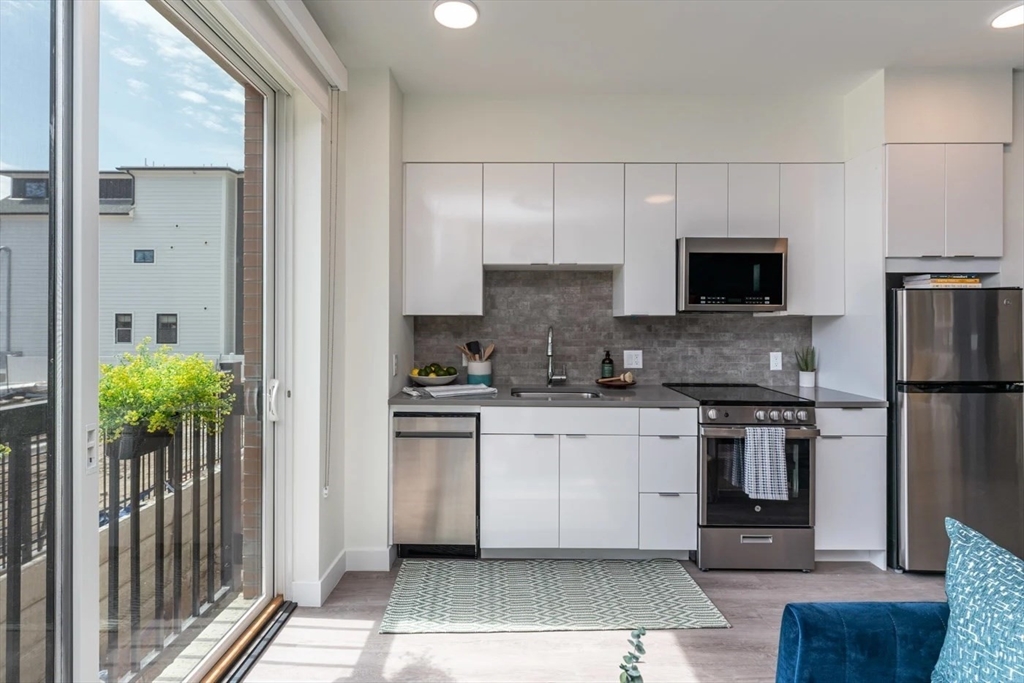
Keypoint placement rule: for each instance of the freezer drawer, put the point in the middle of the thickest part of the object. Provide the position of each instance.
(958, 335)
(434, 480)
(959, 455)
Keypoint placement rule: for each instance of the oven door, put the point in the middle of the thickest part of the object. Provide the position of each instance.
(723, 502)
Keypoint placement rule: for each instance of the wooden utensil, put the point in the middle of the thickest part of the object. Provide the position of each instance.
(625, 378)
(464, 351)
(488, 351)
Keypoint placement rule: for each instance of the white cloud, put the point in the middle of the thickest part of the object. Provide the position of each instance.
(170, 43)
(136, 86)
(192, 96)
(205, 119)
(238, 118)
(127, 56)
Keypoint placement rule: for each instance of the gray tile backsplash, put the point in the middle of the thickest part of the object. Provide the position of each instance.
(693, 347)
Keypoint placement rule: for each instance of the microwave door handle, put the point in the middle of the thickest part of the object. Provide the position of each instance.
(739, 433)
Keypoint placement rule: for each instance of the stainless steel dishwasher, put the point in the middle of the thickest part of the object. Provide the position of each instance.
(434, 485)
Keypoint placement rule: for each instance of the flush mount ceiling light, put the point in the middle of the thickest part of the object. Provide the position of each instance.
(456, 13)
(1010, 18)
(659, 198)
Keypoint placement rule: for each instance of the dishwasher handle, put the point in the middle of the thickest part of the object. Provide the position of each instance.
(434, 435)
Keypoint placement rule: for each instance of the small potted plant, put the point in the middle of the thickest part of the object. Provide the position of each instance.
(807, 362)
(146, 397)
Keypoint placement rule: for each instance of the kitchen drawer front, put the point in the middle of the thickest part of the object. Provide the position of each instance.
(668, 465)
(596, 421)
(668, 422)
(851, 421)
(668, 522)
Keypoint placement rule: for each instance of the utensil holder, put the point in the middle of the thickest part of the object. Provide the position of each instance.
(479, 372)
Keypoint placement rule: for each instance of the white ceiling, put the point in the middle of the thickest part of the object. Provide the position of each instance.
(678, 47)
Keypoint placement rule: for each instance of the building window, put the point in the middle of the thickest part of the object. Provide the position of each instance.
(167, 328)
(145, 256)
(116, 188)
(122, 328)
(30, 188)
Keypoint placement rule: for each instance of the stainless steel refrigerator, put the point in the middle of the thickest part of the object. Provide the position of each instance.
(956, 403)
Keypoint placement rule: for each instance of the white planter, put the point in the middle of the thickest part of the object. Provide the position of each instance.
(808, 379)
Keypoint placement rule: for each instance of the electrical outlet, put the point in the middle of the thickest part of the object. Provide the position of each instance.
(394, 365)
(465, 361)
(776, 360)
(632, 360)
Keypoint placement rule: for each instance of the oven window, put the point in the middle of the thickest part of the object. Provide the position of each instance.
(735, 278)
(728, 504)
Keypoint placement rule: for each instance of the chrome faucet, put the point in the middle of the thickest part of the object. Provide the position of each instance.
(553, 378)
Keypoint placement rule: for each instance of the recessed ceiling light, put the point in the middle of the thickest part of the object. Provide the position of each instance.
(1010, 18)
(456, 13)
(659, 198)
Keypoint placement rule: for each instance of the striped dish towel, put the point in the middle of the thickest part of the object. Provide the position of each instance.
(764, 464)
(732, 464)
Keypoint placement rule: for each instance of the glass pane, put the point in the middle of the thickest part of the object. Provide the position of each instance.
(26, 462)
(181, 279)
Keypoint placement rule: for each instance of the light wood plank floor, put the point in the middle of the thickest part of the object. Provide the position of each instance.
(339, 642)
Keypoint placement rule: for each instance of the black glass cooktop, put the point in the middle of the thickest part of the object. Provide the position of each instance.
(737, 395)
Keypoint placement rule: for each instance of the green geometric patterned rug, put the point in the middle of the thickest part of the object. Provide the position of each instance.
(495, 596)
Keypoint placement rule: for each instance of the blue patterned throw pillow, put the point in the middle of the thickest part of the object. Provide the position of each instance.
(985, 588)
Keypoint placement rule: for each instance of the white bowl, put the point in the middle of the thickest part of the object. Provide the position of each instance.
(433, 381)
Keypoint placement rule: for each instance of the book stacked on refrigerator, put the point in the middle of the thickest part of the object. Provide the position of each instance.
(943, 281)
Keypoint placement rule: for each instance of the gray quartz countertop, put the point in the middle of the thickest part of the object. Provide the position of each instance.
(830, 398)
(639, 396)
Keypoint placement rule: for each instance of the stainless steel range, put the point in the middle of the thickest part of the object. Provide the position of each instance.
(739, 527)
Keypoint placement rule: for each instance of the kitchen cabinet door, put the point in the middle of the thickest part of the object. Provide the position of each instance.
(518, 491)
(974, 200)
(850, 498)
(915, 221)
(598, 492)
(753, 200)
(589, 208)
(518, 214)
(646, 283)
(668, 521)
(811, 215)
(444, 271)
(702, 200)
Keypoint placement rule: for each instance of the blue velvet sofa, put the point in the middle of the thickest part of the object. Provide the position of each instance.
(860, 642)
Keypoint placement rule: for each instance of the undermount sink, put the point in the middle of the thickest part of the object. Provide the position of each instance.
(555, 394)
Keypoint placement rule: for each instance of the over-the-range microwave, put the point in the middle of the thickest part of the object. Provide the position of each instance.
(732, 274)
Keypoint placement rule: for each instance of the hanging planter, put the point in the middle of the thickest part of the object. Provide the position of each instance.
(137, 440)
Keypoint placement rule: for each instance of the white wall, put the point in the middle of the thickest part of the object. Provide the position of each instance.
(864, 116)
(401, 327)
(622, 128)
(29, 240)
(1011, 272)
(372, 222)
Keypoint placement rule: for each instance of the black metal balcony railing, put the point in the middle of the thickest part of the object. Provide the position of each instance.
(167, 523)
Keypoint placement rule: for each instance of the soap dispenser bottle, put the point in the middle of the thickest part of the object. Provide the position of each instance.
(607, 366)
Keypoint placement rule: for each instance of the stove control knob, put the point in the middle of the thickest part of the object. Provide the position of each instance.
(801, 415)
(760, 416)
(787, 415)
(712, 414)
(774, 415)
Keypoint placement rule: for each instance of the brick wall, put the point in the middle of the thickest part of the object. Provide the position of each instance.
(693, 347)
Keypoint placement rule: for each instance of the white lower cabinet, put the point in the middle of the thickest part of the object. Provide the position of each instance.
(850, 498)
(598, 492)
(668, 521)
(668, 464)
(518, 491)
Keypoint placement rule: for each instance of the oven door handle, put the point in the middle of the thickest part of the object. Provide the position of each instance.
(739, 433)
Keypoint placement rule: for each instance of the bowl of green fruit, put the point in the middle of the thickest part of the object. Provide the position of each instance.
(433, 375)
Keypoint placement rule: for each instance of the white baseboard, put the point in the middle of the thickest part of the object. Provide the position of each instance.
(875, 557)
(369, 559)
(579, 554)
(315, 593)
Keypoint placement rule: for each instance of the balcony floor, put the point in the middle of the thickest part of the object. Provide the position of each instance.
(339, 641)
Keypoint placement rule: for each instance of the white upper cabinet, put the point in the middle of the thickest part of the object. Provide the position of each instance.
(812, 216)
(443, 239)
(702, 200)
(518, 214)
(915, 200)
(589, 214)
(753, 200)
(646, 283)
(974, 200)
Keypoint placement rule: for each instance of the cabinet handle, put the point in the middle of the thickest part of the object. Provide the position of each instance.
(544, 436)
(963, 256)
(575, 436)
(669, 408)
(931, 256)
(830, 436)
(665, 436)
(669, 495)
(852, 408)
(756, 538)
(540, 263)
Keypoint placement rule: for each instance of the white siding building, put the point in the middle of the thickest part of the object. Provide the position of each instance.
(168, 248)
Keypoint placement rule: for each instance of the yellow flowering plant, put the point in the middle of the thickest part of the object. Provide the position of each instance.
(160, 389)
(5, 450)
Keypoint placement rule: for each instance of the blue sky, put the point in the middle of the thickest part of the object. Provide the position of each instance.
(162, 100)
